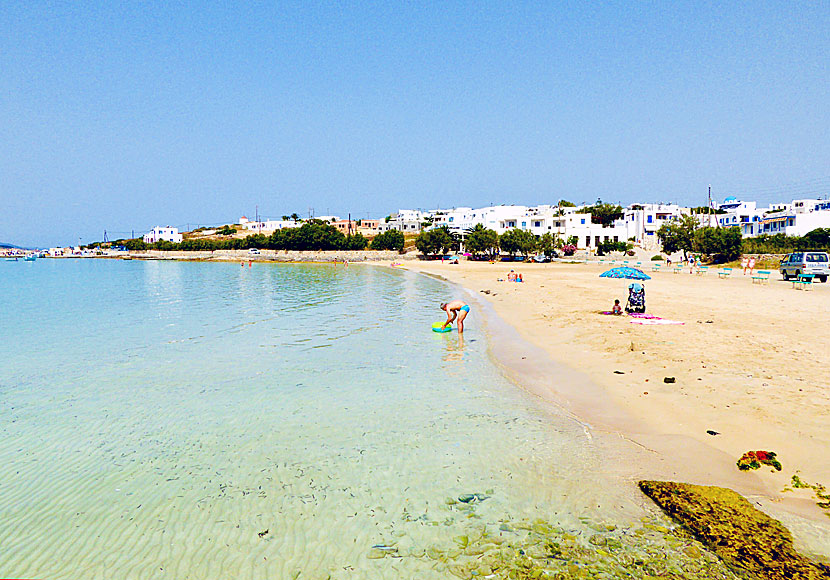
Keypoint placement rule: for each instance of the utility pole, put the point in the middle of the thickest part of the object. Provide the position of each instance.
(709, 210)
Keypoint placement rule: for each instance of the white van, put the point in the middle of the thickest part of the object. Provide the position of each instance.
(798, 263)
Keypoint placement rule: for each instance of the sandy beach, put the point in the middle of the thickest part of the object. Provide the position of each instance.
(749, 363)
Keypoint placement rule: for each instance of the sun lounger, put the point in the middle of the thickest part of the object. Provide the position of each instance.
(655, 267)
(702, 270)
(724, 272)
(677, 269)
(761, 277)
(803, 282)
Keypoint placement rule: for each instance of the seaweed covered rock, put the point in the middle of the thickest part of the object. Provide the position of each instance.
(737, 532)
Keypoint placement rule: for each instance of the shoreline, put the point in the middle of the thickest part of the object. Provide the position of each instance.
(653, 450)
(264, 256)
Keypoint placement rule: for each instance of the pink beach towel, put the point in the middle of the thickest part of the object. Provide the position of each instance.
(655, 321)
(640, 318)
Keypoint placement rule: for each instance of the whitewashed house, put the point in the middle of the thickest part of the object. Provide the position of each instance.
(800, 218)
(159, 233)
(643, 220)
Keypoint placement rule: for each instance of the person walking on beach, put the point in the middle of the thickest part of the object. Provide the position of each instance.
(455, 309)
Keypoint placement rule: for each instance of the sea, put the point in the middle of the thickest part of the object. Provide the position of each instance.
(164, 419)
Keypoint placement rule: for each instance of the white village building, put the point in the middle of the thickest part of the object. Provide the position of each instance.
(159, 233)
(267, 227)
(797, 219)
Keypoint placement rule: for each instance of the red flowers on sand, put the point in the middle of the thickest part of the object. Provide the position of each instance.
(754, 460)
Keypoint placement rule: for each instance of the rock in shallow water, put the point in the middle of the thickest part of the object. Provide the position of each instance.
(737, 532)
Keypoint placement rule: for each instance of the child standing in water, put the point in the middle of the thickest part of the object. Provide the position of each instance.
(455, 309)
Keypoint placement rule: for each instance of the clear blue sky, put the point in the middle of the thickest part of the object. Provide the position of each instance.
(125, 116)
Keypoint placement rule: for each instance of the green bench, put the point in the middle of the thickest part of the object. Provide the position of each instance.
(724, 272)
(677, 269)
(761, 277)
(655, 267)
(702, 270)
(803, 282)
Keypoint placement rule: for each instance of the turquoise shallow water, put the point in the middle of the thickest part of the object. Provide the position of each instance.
(189, 420)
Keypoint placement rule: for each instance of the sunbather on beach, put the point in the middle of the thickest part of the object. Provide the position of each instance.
(455, 309)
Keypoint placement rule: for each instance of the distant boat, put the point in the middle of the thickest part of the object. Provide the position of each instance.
(30, 258)
(11, 259)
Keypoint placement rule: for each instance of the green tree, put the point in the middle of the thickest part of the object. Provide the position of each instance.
(817, 239)
(388, 240)
(315, 235)
(436, 241)
(481, 240)
(356, 242)
(678, 234)
(611, 246)
(565, 203)
(135, 245)
(603, 213)
(517, 240)
(703, 209)
(548, 243)
(254, 241)
(719, 244)
(295, 216)
(572, 241)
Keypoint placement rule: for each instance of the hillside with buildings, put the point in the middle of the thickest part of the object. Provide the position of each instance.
(581, 225)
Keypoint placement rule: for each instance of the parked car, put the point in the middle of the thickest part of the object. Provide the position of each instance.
(797, 263)
(254, 251)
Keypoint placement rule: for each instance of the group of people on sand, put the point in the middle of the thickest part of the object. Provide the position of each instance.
(636, 302)
(512, 277)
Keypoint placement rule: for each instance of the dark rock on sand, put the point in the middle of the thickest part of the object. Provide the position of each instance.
(668, 379)
(741, 535)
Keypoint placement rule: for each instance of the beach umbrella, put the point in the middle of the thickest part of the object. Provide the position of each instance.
(625, 272)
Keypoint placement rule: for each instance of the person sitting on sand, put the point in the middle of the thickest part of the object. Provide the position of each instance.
(455, 309)
(617, 308)
(511, 277)
(519, 278)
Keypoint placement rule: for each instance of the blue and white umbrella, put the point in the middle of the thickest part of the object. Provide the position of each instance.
(625, 272)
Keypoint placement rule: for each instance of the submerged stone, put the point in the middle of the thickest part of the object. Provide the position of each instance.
(737, 532)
